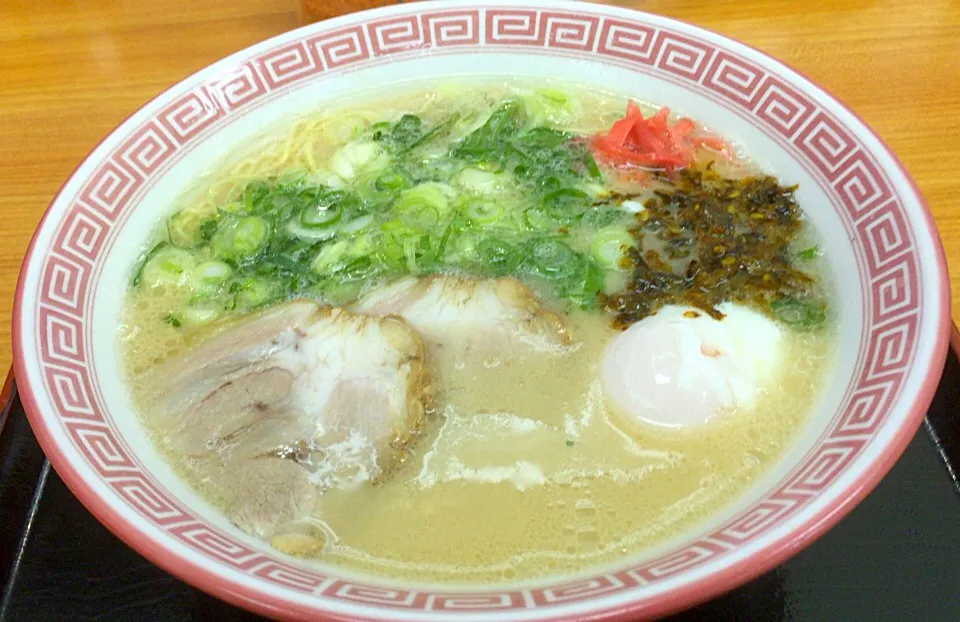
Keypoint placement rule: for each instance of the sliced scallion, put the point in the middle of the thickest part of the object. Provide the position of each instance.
(189, 228)
(320, 216)
(809, 254)
(798, 314)
(199, 315)
(483, 212)
(608, 246)
(241, 238)
(210, 274)
(253, 293)
(168, 266)
(552, 258)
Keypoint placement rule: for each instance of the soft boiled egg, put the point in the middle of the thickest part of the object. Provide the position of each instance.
(681, 367)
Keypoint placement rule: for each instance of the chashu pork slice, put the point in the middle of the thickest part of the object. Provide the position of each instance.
(340, 393)
(498, 314)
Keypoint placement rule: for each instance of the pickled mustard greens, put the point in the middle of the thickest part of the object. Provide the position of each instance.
(731, 239)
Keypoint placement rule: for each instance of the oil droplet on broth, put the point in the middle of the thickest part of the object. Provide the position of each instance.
(586, 508)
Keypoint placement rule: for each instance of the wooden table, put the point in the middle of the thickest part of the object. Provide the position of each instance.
(71, 71)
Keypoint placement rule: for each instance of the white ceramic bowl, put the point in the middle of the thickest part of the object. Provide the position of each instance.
(877, 232)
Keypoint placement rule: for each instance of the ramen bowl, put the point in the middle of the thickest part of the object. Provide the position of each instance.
(889, 269)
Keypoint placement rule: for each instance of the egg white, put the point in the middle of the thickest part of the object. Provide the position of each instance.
(680, 367)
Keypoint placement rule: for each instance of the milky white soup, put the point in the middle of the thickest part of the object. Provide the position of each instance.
(478, 334)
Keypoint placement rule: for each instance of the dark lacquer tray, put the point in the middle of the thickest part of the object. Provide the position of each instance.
(895, 557)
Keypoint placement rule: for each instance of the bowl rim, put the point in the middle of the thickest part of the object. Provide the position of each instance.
(697, 591)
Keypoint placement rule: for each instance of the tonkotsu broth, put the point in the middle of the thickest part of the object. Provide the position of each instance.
(569, 481)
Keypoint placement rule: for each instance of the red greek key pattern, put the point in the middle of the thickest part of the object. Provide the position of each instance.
(826, 144)
(735, 78)
(758, 518)
(374, 595)
(99, 444)
(287, 64)
(67, 284)
(147, 149)
(190, 114)
(61, 338)
(569, 32)
(70, 390)
(150, 501)
(514, 27)
(474, 602)
(217, 545)
(781, 107)
(237, 87)
(628, 41)
(340, 48)
(398, 35)
(864, 414)
(291, 577)
(682, 56)
(82, 236)
(819, 471)
(110, 188)
(579, 590)
(453, 28)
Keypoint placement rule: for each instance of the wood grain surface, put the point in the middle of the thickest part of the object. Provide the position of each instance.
(72, 70)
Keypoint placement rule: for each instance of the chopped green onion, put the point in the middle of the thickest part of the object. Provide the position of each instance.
(391, 243)
(538, 219)
(236, 207)
(138, 275)
(357, 224)
(480, 182)
(317, 234)
(608, 246)
(550, 106)
(172, 320)
(320, 216)
(253, 293)
(168, 266)
(427, 194)
(553, 258)
(600, 217)
(293, 180)
(359, 267)
(410, 254)
(199, 315)
(444, 240)
(189, 228)
(483, 212)
(340, 293)
(566, 203)
(495, 254)
(242, 238)
(354, 158)
(798, 314)
(328, 261)
(392, 181)
(253, 196)
(439, 129)
(591, 285)
(426, 218)
(809, 254)
(210, 274)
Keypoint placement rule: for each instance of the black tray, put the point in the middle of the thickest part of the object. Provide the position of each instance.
(895, 557)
